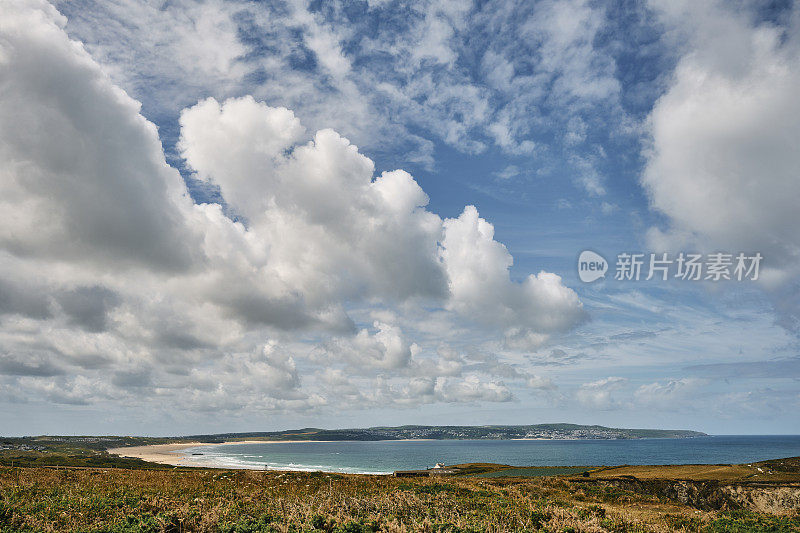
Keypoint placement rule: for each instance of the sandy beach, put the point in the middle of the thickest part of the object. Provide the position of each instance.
(170, 454)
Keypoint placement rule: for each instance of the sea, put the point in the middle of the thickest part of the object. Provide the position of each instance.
(384, 457)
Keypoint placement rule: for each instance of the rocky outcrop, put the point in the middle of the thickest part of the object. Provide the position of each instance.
(774, 499)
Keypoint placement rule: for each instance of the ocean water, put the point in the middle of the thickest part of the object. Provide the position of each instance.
(383, 457)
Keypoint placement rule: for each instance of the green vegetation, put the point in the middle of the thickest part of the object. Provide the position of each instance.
(175, 500)
(80, 444)
(84, 459)
(745, 521)
(73, 451)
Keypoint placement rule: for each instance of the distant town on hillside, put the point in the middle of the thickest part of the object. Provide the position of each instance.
(535, 431)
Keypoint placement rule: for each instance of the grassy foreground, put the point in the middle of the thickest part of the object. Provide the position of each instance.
(174, 500)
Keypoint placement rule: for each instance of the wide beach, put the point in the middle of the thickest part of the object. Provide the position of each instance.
(170, 454)
(177, 454)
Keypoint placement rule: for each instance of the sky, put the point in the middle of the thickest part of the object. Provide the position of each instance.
(230, 215)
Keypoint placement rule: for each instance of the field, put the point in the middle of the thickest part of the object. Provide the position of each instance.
(177, 500)
(774, 471)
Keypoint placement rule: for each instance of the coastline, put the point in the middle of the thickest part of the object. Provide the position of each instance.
(539, 453)
(173, 454)
(170, 454)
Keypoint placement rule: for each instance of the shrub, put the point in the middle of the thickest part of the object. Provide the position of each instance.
(539, 518)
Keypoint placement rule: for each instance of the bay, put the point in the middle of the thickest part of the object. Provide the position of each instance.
(383, 457)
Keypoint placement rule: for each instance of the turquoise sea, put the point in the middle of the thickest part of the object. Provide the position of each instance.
(386, 456)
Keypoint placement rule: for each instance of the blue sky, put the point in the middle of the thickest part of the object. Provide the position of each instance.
(260, 275)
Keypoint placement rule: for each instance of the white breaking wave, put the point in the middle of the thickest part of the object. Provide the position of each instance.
(245, 462)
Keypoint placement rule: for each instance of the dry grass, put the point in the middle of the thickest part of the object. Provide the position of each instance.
(755, 472)
(117, 500)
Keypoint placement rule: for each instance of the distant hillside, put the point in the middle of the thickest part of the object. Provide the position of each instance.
(536, 431)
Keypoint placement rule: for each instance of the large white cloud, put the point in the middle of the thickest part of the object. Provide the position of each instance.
(83, 174)
(386, 349)
(329, 225)
(724, 159)
(331, 229)
(723, 162)
(115, 287)
(478, 272)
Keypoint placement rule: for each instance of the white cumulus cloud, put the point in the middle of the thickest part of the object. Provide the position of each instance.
(723, 162)
(116, 288)
(600, 394)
